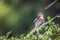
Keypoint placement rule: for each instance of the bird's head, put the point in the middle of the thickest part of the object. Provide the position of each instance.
(41, 15)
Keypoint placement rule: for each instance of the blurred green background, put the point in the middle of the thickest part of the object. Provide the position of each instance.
(18, 15)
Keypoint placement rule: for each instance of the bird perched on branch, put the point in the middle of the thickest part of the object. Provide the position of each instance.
(39, 20)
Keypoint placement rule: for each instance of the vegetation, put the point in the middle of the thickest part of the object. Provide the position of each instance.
(52, 32)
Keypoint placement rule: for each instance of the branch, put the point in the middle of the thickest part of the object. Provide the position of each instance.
(50, 4)
(43, 25)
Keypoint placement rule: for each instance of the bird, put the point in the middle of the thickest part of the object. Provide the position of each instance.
(39, 19)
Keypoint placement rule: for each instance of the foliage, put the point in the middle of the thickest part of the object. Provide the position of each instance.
(52, 32)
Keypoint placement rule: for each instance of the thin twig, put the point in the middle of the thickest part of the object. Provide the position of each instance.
(50, 4)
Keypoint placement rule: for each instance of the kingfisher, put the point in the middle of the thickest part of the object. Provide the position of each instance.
(39, 20)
